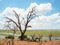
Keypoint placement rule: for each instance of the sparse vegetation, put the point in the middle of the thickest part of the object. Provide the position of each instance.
(9, 37)
(25, 37)
(36, 32)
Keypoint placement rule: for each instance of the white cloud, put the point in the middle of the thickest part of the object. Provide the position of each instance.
(47, 22)
(42, 8)
(42, 22)
(51, 18)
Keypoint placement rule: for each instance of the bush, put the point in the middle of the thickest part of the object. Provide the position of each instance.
(9, 37)
(25, 36)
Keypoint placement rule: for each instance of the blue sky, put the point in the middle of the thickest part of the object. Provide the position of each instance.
(26, 3)
(49, 20)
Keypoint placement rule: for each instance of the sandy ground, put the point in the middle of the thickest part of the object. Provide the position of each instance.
(18, 42)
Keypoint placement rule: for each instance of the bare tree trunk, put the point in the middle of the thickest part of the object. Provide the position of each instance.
(22, 36)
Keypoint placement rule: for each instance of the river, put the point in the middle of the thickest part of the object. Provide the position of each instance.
(43, 38)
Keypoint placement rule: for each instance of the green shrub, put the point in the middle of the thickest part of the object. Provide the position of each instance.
(9, 37)
(25, 36)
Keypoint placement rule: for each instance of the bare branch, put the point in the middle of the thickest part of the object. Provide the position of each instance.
(12, 21)
(17, 16)
(18, 19)
(31, 15)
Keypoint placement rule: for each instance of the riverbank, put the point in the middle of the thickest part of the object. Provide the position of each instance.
(55, 33)
(19, 42)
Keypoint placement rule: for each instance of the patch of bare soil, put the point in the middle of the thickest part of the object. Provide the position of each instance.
(19, 42)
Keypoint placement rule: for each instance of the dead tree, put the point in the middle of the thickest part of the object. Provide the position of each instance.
(13, 29)
(31, 15)
(50, 36)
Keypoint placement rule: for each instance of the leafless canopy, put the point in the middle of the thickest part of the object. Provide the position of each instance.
(31, 15)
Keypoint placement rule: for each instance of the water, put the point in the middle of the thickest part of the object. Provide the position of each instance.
(53, 38)
(2, 36)
(43, 38)
(10, 34)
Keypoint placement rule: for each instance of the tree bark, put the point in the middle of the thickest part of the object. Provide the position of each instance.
(22, 36)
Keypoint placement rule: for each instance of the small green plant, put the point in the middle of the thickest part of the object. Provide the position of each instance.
(25, 36)
(9, 37)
